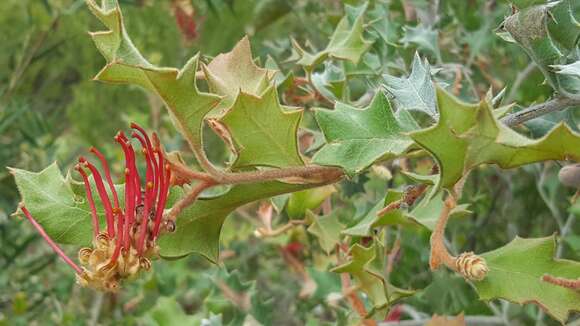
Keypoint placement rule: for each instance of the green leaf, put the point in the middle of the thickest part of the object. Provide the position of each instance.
(424, 38)
(346, 43)
(125, 64)
(327, 229)
(264, 131)
(468, 135)
(572, 69)
(65, 217)
(367, 266)
(548, 33)
(427, 211)
(229, 74)
(424, 214)
(167, 311)
(416, 92)
(198, 227)
(302, 201)
(515, 274)
(357, 138)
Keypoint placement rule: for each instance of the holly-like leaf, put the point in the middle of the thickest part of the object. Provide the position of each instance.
(424, 214)
(572, 69)
(357, 138)
(346, 43)
(198, 227)
(367, 266)
(327, 229)
(516, 271)
(230, 73)
(427, 211)
(424, 38)
(415, 92)
(468, 135)
(548, 33)
(125, 64)
(65, 217)
(264, 131)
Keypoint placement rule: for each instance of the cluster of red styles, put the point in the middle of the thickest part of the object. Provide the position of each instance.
(129, 242)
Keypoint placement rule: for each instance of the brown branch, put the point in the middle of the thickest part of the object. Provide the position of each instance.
(439, 253)
(538, 110)
(187, 200)
(307, 174)
(409, 197)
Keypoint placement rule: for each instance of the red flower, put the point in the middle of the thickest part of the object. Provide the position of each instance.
(129, 242)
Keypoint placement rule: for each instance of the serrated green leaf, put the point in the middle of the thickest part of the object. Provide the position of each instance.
(424, 214)
(264, 131)
(572, 69)
(427, 211)
(125, 64)
(302, 201)
(198, 227)
(52, 202)
(515, 274)
(346, 43)
(229, 74)
(468, 135)
(416, 92)
(357, 138)
(331, 82)
(424, 38)
(547, 33)
(327, 229)
(367, 266)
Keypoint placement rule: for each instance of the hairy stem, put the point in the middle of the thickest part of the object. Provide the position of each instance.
(188, 200)
(534, 111)
(439, 253)
(313, 174)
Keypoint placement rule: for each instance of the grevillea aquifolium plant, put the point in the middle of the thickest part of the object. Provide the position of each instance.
(296, 161)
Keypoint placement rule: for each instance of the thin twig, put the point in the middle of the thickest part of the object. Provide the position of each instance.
(187, 200)
(520, 78)
(556, 104)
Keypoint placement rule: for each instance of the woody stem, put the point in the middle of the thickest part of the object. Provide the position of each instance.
(439, 253)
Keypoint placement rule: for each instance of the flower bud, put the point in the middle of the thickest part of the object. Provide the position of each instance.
(471, 266)
(570, 176)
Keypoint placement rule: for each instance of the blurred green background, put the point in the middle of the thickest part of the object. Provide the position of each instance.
(50, 109)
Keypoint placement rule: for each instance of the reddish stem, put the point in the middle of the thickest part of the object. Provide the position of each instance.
(50, 242)
(103, 194)
(107, 174)
(90, 200)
